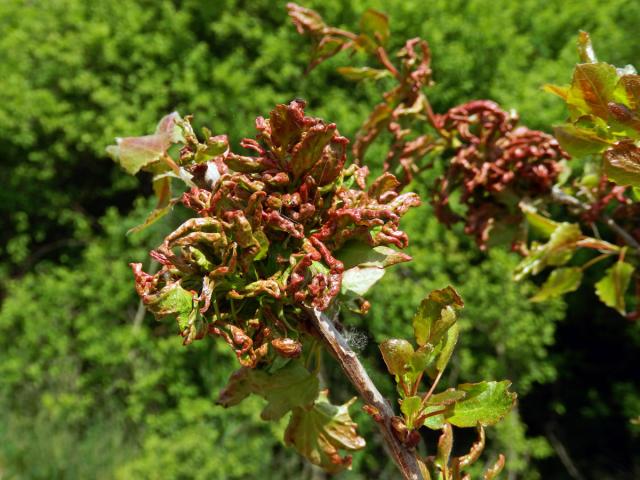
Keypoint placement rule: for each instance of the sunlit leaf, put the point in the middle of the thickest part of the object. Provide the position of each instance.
(485, 403)
(579, 141)
(592, 88)
(134, 153)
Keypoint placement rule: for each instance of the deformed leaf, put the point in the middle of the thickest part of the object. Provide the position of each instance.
(290, 387)
(561, 281)
(485, 403)
(435, 315)
(622, 163)
(612, 287)
(321, 431)
(134, 153)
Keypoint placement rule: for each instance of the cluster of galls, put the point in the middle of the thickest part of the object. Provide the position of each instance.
(263, 245)
(494, 164)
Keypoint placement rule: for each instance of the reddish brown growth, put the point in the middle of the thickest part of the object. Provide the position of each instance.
(265, 237)
(494, 163)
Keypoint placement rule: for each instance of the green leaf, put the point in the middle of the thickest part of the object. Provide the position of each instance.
(448, 345)
(375, 25)
(363, 73)
(436, 315)
(134, 153)
(447, 397)
(321, 431)
(561, 92)
(410, 408)
(622, 164)
(485, 403)
(397, 354)
(358, 280)
(612, 287)
(360, 254)
(561, 281)
(557, 251)
(290, 387)
(579, 141)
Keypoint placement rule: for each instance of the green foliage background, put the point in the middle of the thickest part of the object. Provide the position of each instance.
(89, 391)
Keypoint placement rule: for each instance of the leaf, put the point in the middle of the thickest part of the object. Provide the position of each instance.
(447, 397)
(631, 86)
(579, 141)
(290, 387)
(485, 403)
(542, 225)
(358, 280)
(310, 148)
(612, 287)
(397, 354)
(561, 281)
(435, 315)
(561, 92)
(410, 408)
(622, 164)
(320, 432)
(134, 153)
(557, 251)
(360, 254)
(593, 88)
(375, 25)
(363, 73)
(449, 344)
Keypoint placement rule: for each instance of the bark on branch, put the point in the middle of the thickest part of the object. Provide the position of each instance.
(404, 457)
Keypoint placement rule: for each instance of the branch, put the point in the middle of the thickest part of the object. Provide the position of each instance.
(566, 199)
(404, 457)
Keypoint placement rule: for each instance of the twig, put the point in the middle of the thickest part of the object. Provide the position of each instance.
(563, 455)
(404, 457)
(566, 199)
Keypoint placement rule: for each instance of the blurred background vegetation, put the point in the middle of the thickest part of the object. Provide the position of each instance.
(91, 388)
